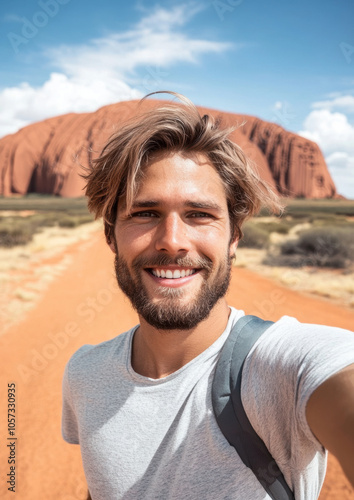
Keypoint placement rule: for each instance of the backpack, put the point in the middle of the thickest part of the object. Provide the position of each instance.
(230, 414)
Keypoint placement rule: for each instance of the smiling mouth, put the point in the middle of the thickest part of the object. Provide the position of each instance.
(172, 273)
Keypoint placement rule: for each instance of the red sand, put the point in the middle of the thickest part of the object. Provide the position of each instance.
(82, 306)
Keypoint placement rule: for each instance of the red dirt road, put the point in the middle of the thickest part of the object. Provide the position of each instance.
(84, 306)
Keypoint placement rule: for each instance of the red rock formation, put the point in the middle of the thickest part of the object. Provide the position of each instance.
(48, 156)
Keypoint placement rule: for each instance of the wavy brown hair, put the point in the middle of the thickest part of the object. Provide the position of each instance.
(119, 169)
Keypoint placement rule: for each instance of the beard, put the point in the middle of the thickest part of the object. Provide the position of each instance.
(170, 312)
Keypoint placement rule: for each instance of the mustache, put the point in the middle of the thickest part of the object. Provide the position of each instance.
(201, 262)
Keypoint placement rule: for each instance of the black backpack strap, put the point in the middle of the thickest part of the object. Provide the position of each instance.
(229, 411)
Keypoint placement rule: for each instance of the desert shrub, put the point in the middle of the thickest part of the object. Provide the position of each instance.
(318, 207)
(16, 230)
(254, 236)
(44, 203)
(43, 219)
(74, 221)
(325, 220)
(68, 222)
(298, 216)
(281, 227)
(321, 246)
(12, 237)
(334, 220)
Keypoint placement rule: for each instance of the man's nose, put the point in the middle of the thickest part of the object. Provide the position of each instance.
(172, 235)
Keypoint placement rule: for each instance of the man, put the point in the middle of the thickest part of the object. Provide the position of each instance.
(174, 192)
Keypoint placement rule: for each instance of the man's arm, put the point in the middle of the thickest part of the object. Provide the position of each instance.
(330, 415)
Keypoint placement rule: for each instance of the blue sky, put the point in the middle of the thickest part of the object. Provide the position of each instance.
(284, 61)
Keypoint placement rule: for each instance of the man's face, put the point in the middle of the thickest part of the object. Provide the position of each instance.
(173, 251)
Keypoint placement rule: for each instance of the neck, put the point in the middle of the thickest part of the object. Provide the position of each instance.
(158, 353)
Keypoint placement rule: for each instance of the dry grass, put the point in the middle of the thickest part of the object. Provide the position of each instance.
(336, 285)
(303, 217)
(27, 270)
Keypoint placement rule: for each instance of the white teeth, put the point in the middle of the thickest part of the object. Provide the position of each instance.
(175, 274)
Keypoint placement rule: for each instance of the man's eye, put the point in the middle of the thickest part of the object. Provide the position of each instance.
(201, 215)
(144, 214)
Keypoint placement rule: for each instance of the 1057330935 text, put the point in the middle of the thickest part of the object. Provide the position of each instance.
(11, 438)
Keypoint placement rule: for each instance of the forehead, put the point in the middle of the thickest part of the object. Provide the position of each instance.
(179, 178)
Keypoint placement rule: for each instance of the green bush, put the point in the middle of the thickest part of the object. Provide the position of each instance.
(281, 227)
(321, 246)
(68, 222)
(44, 203)
(254, 237)
(17, 230)
(10, 238)
(74, 221)
(318, 207)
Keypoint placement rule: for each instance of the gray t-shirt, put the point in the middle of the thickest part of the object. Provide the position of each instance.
(150, 439)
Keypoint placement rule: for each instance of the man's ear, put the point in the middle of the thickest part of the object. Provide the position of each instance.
(112, 247)
(112, 244)
(110, 237)
(233, 246)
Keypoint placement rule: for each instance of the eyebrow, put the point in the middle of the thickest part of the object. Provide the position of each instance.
(203, 205)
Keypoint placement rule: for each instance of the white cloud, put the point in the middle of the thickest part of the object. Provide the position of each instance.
(153, 41)
(161, 19)
(118, 67)
(335, 135)
(60, 94)
(332, 131)
(341, 166)
(341, 102)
